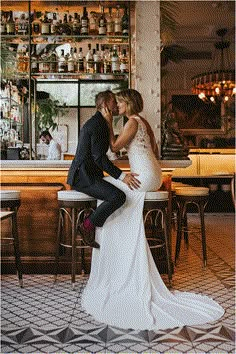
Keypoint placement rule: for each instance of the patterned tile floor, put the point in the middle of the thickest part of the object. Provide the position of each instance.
(44, 317)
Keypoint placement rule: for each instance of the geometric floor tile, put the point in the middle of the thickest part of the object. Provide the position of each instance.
(46, 317)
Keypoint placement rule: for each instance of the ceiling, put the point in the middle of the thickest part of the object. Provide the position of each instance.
(198, 21)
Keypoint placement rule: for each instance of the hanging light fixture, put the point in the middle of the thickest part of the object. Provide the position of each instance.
(218, 84)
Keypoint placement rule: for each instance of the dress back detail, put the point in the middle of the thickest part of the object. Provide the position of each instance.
(141, 142)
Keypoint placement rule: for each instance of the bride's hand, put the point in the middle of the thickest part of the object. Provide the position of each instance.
(107, 114)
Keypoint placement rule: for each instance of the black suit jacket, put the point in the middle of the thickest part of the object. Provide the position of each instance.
(91, 160)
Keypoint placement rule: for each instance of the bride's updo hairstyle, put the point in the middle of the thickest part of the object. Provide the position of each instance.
(133, 99)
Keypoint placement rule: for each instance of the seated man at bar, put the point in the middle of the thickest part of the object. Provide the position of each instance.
(54, 151)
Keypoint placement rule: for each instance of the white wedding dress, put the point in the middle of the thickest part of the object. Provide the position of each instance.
(125, 288)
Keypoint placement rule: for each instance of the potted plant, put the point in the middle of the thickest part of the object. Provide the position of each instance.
(47, 110)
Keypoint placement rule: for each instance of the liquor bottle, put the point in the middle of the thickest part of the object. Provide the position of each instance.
(34, 60)
(53, 60)
(125, 23)
(40, 61)
(117, 21)
(80, 61)
(70, 23)
(54, 23)
(76, 24)
(3, 28)
(102, 24)
(89, 60)
(63, 28)
(25, 60)
(6, 111)
(110, 23)
(36, 24)
(20, 61)
(65, 20)
(93, 27)
(84, 23)
(45, 26)
(44, 66)
(107, 61)
(124, 68)
(115, 62)
(10, 25)
(75, 57)
(66, 27)
(70, 62)
(22, 25)
(96, 59)
(102, 57)
(62, 65)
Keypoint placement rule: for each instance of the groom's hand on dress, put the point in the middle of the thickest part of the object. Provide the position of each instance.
(131, 181)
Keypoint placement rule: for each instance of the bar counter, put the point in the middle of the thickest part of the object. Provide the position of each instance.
(40, 165)
(39, 181)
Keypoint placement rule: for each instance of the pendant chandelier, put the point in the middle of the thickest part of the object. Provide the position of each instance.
(218, 84)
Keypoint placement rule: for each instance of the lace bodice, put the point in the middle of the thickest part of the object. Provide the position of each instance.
(141, 142)
(142, 159)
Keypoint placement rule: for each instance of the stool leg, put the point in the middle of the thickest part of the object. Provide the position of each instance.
(179, 230)
(16, 248)
(83, 266)
(173, 220)
(73, 245)
(167, 244)
(185, 226)
(204, 252)
(59, 231)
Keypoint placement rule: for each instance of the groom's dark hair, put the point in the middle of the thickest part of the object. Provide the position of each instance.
(103, 96)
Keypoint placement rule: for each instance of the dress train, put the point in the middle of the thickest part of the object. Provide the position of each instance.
(125, 288)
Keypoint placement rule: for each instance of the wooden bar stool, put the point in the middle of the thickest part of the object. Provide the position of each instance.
(10, 202)
(75, 206)
(174, 186)
(190, 195)
(155, 209)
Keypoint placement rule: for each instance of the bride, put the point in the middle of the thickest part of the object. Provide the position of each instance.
(125, 288)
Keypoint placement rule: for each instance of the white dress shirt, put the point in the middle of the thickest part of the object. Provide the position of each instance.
(54, 151)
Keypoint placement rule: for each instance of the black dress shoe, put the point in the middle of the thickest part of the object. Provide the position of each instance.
(88, 237)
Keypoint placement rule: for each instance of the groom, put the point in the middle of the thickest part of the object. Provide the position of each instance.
(86, 171)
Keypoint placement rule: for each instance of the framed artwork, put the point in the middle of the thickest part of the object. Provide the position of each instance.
(197, 117)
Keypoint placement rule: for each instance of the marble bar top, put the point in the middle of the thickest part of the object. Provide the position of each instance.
(65, 164)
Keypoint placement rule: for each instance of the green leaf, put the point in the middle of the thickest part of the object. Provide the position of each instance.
(46, 112)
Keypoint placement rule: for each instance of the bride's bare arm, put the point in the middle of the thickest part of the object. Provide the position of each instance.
(125, 137)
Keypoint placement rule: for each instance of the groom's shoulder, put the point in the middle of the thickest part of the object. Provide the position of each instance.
(96, 119)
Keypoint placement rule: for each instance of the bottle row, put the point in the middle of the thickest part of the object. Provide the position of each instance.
(96, 23)
(9, 136)
(8, 112)
(101, 60)
(10, 102)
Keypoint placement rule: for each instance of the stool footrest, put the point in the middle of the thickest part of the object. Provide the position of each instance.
(70, 246)
(159, 243)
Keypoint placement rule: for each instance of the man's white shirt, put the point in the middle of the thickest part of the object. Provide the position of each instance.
(54, 151)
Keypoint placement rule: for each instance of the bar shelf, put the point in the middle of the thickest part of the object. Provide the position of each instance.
(81, 76)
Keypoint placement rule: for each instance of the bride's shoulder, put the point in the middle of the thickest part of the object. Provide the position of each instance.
(135, 118)
(132, 120)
